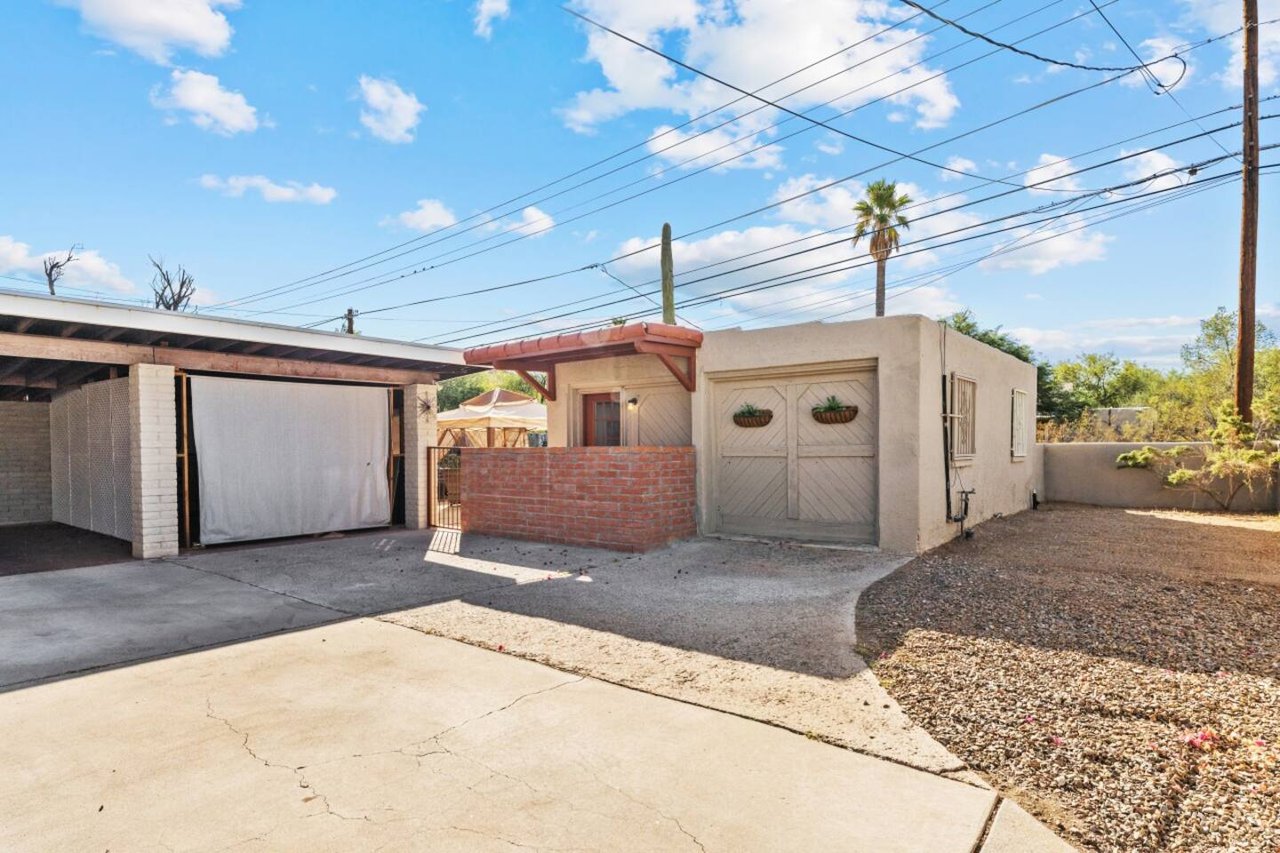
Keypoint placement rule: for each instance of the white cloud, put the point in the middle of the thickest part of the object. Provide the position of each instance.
(697, 151)
(1048, 176)
(1047, 249)
(155, 29)
(1221, 16)
(488, 11)
(532, 222)
(1150, 163)
(290, 191)
(210, 106)
(390, 113)
(959, 164)
(751, 43)
(429, 215)
(90, 270)
(1169, 72)
(832, 145)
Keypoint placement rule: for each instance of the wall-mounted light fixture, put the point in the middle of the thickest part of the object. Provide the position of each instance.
(633, 404)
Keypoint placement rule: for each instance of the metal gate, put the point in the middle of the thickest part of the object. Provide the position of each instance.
(446, 486)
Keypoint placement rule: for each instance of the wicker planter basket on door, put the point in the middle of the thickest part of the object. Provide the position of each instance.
(759, 420)
(835, 416)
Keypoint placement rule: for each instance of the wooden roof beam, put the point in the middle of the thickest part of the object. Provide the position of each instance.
(76, 349)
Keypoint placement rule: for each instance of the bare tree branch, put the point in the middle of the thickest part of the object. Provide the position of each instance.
(172, 290)
(53, 267)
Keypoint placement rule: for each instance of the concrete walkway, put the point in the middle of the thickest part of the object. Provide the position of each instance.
(291, 721)
(364, 734)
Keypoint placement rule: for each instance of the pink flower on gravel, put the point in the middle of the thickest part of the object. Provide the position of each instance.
(1260, 742)
(1057, 741)
(1204, 740)
(1028, 719)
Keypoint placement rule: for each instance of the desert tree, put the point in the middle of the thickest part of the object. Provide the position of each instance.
(54, 267)
(172, 289)
(880, 216)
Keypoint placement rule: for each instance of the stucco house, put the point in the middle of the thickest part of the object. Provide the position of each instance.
(943, 422)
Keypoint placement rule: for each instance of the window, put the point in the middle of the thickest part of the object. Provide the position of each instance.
(1019, 443)
(963, 414)
(601, 420)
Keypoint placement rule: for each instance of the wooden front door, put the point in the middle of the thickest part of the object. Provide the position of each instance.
(601, 420)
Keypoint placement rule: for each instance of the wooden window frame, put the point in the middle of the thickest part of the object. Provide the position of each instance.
(589, 420)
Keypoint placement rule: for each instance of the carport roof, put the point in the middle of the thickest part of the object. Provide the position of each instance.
(51, 342)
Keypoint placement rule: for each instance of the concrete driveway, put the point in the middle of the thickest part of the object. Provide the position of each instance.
(311, 706)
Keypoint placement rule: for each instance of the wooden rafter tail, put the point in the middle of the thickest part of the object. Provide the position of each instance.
(686, 377)
(548, 390)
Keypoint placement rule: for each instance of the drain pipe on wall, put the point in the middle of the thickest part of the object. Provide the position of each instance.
(952, 516)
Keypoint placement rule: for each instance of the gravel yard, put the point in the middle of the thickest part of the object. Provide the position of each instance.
(1117, 672)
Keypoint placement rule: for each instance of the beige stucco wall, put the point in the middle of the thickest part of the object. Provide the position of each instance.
(907, 352)
(1003, 483)
(1087, 473)
(660, 418)
(892, 343)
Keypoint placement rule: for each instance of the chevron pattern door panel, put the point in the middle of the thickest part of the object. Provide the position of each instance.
(796, 477)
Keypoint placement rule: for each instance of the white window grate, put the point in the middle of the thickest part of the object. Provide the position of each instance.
(1019, 443)
(964, 411)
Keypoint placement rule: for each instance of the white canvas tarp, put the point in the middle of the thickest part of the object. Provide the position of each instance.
(287, 458)
(89, 458)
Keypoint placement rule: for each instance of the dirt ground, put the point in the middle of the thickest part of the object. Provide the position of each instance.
(1115, 671)
(759, 630)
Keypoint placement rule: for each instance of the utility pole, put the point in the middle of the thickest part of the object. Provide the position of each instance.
(668, 278)
(1248, 219)
(351, 321)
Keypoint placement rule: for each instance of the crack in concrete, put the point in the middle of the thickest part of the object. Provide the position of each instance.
(171, 561)
(302, 780)
(645, 805)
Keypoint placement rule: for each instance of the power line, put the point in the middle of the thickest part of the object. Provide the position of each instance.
(959, 192)
(765, 100)
(952, 209)
(1157, 87)
(635, 146)
(832, 268)
(351, 268)
(377, 281)
(1059, 62)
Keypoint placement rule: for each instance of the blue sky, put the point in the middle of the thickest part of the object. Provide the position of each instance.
(258, 144)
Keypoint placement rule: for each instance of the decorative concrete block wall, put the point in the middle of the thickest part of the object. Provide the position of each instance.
(419, 436)
(623, 498)
(24, 463)
(153, 459)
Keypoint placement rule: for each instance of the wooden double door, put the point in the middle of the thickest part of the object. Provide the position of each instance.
(796, 477)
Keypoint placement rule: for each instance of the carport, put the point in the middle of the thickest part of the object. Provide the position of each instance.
(169, 429)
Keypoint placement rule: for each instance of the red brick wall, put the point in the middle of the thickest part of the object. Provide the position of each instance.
(624, 498)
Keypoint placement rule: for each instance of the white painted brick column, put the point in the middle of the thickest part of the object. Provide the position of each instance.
(153, 433)
(419, 434)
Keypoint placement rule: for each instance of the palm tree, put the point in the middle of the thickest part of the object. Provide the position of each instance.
(879, 214)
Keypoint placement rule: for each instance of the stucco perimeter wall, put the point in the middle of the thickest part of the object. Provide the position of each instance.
(1002, 482)
(1086, 473)
(892, 342)
(623, 498)
(661, 417)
